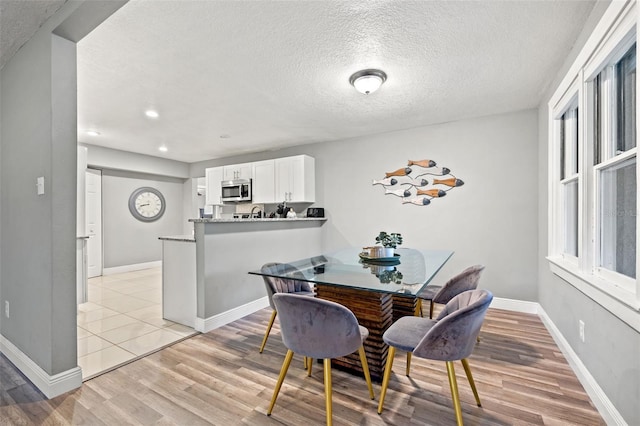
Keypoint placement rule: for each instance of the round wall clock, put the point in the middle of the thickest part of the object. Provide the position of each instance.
(146, 204)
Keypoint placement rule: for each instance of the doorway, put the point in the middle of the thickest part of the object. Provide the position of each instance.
(94, 222)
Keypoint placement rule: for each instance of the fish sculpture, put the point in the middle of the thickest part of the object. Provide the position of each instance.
(405, 171)
(402, 180)
(386, 181)
(437, 193)
(449, 182)
(416, 182)
(398, 192)
(422, 163)
(419, 201)
(436, 171)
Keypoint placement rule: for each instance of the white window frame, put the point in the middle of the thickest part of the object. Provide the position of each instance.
(611, 39)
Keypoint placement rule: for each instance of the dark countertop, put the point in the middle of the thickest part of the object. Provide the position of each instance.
(297, 219)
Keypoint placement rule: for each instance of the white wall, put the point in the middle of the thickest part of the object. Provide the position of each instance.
(492, 219)
(128, 241)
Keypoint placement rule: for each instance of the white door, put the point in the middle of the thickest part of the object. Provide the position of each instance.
(94, 222)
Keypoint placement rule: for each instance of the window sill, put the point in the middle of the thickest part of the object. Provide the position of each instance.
(620, 302)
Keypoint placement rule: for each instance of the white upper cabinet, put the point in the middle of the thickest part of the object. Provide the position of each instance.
(264, 182)
(213, 177)
(295, 179)
(238, 171)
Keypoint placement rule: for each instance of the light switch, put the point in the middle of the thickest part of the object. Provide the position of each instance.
(40, 185)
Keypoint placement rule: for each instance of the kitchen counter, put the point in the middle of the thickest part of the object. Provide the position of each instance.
(183, 238)
(261, 220)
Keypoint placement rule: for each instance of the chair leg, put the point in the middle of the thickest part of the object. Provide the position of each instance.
(327, 390)
(385, 378)
(365, 369)
(430, 309)
(418, 311)
(467, 369)
(266, 335)
(454, 392)
(283, 372)
(309, 366)
(409, 362)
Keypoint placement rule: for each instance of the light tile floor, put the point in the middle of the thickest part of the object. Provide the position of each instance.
(123, 320)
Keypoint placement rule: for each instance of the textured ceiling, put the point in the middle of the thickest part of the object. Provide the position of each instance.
(19, 20)
(269, 74)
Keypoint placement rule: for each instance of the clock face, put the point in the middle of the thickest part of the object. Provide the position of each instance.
(146, 204)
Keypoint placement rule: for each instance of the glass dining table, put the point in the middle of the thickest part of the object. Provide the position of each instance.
(377, 290)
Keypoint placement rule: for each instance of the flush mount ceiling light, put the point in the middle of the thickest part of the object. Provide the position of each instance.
(151, 113)
(367, 81)
(163, 148)
(93, 133)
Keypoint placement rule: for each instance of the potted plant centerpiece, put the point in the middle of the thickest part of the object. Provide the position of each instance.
(389, 242)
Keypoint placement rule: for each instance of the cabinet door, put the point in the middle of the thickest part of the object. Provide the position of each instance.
(283, 178)
(264, 189)
(295, 179)
(238, 171)
(213, 177)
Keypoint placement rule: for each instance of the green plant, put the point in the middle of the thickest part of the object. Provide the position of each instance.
(389, 240)
(393, 276)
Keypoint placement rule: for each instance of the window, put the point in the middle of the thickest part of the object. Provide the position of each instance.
(593, 167)
(615, 165)
(568, 135)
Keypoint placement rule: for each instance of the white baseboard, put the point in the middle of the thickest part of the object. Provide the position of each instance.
(130, 268)
(515, 305)
(204, 325)
(51, 386)
(606, 409)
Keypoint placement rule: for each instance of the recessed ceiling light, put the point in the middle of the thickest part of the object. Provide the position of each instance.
(368, 81)
(93, 133)
(163, 148)
(151, 113)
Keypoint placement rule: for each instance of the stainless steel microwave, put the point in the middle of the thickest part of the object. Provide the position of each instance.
(236, 190)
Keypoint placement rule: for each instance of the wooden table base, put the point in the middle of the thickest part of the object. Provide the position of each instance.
(375, 311)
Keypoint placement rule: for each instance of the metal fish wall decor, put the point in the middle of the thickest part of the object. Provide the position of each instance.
(418, 190)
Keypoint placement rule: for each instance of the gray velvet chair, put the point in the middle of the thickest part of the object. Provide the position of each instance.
(450, 337)
(464, 281)
(320, 329)
(280, 285)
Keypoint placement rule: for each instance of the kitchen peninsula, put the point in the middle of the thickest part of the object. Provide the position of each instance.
(225, 250)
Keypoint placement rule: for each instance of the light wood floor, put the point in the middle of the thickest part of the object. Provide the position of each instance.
(220, 378)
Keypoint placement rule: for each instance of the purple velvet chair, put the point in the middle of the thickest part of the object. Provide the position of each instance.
(280, 285)
(320, 329)
(450, 337)
(464, 281)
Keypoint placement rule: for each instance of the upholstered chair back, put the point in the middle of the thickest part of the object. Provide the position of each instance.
(464, 281)
(316, 328)
(283, 285)
(454, 335)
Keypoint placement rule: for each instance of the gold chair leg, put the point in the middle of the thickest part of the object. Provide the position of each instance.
(327, 390)
(418, 311)
(430, 309)
(467, 369)
(385, 378)
(283, 372)
(454, 392)
(266, 335)
(365, 369)
(309, 366)
(409, 362)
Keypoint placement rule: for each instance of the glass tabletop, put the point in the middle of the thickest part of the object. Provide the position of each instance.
(407, 272)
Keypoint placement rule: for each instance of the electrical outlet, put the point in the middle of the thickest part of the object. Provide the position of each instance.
(6, 308)
(581, 330)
